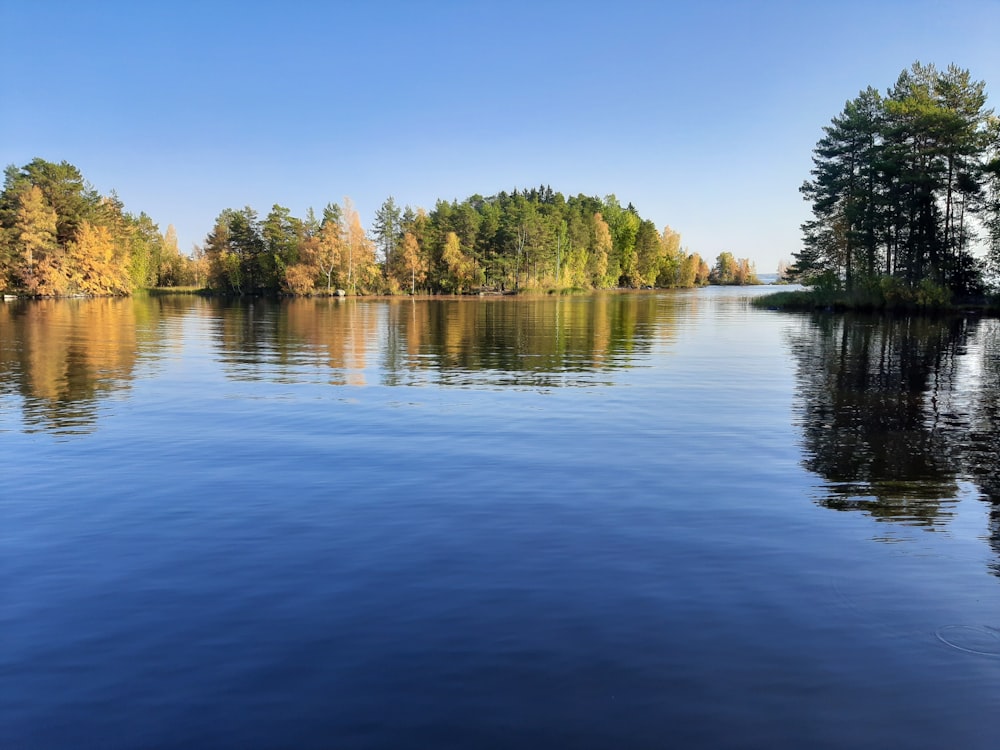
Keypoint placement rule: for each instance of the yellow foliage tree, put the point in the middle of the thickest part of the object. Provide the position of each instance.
(460, 270)
(300, 278)
(95, 268)
(37, 260)
(329, 247)
(357, 263)
(600, 250)
(672, 258)
(413, 262)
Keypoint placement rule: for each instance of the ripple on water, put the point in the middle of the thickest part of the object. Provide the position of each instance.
(972, 639)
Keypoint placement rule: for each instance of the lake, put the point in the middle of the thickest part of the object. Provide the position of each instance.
(623, 520)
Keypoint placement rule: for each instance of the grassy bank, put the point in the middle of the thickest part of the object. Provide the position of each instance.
(877, 300)
(160, 291)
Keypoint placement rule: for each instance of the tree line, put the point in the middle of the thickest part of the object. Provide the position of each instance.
(533, 239)
(905, 192)
(59, 236)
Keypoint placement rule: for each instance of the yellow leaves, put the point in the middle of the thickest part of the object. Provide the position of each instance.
(670, 241)
(414, 264)
(357, 262)
(34, 225)
(602, 234)
(460, 267)
(92, 264)
(71, 353)
(300, 278)
(48, 277)
(95, 266)
(600, 250)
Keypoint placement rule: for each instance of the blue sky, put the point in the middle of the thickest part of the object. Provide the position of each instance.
(702, 114)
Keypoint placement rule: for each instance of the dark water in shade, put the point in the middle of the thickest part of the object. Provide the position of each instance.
(642, 521)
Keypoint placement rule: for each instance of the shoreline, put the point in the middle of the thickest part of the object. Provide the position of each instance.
(813, 301)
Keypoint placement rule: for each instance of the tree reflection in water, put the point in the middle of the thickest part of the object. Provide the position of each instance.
(898, 412)
(64, 356)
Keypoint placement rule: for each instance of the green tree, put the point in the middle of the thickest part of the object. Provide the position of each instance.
(842, 235)
(387, 229)
(65, 191)
(724, 271)
(283, 235)
(897, 186)
(672, 259)
(648, 252)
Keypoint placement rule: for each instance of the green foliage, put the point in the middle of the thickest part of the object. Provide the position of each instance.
(535, 239)
(886, 293)
(902, 186)
(523, 240)
(931, 295)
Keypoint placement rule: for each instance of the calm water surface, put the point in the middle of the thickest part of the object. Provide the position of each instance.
(644, 520)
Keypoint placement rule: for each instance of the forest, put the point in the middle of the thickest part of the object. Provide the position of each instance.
(59, 237)
(905, 195)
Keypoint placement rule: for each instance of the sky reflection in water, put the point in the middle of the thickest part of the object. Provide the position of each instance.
(575, 522)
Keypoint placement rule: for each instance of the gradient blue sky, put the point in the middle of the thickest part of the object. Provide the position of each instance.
(702, 114)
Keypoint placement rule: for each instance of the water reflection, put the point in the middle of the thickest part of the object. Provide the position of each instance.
(535, 343)
(529, 343)
(63, 357)
(297, 340)
(897, 413)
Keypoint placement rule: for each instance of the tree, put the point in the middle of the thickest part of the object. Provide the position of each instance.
(95, 267)
(282, 235)
(34, 233)
(724, 271)
(600, 250)
(330, 245)
(247, 245)
(746, 273)
(458, 266)
(412, 260)
(842, 236)
(64, 188)
(672, 259)
(169, 266)
(224, 269)
(358, 257)
(386, 230)
(648, 252)
(897, 184)
(784, 268)
(990, 198)
(624, 226)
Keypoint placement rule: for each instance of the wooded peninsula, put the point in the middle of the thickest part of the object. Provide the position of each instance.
(60, 237)
(905, 196)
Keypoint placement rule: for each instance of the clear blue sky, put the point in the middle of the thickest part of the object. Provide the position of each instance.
(702, 114)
